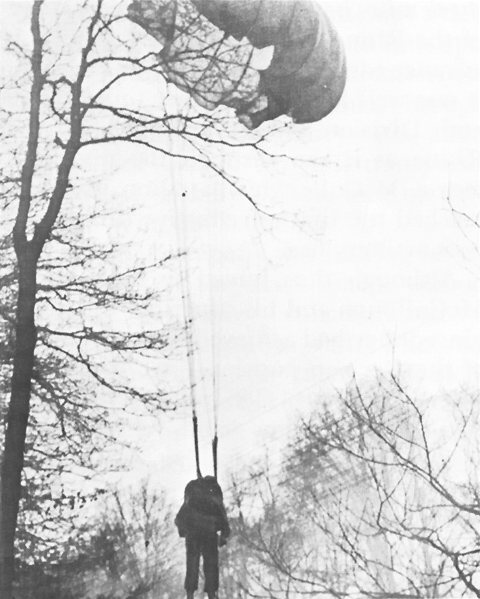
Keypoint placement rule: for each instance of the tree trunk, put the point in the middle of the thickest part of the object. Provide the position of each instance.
(17, 416)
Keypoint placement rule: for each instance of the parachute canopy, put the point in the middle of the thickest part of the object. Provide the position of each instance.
(209, 52)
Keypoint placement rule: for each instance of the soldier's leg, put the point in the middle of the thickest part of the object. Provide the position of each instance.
(193, 548)
(210, 564)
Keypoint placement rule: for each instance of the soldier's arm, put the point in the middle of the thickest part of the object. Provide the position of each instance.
(224, 525)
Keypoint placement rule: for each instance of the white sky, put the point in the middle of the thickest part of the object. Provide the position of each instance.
(382, 278)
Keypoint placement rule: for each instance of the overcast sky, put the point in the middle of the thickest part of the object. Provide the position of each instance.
(380, 274)
(385, 276)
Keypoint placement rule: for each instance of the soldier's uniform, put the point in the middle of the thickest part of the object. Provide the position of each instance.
(203, 521)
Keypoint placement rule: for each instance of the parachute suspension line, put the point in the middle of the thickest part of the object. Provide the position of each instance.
(188, 312)
(216, 302)
(180, 227)
(187, 305)
(215, 405)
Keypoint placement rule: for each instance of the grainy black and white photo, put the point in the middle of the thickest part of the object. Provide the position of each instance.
(239, 299)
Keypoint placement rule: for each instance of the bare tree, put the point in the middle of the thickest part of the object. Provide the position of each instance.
(66, 97)
(73, 420)
(132, 550)
(468, 223)
(424, 481)
(383, 491)
(125, 547)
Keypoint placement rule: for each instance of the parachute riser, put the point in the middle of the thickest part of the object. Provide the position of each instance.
(195, 437)
(215, 453)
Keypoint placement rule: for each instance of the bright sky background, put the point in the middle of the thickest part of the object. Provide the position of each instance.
(382, 278)
(380, 275)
